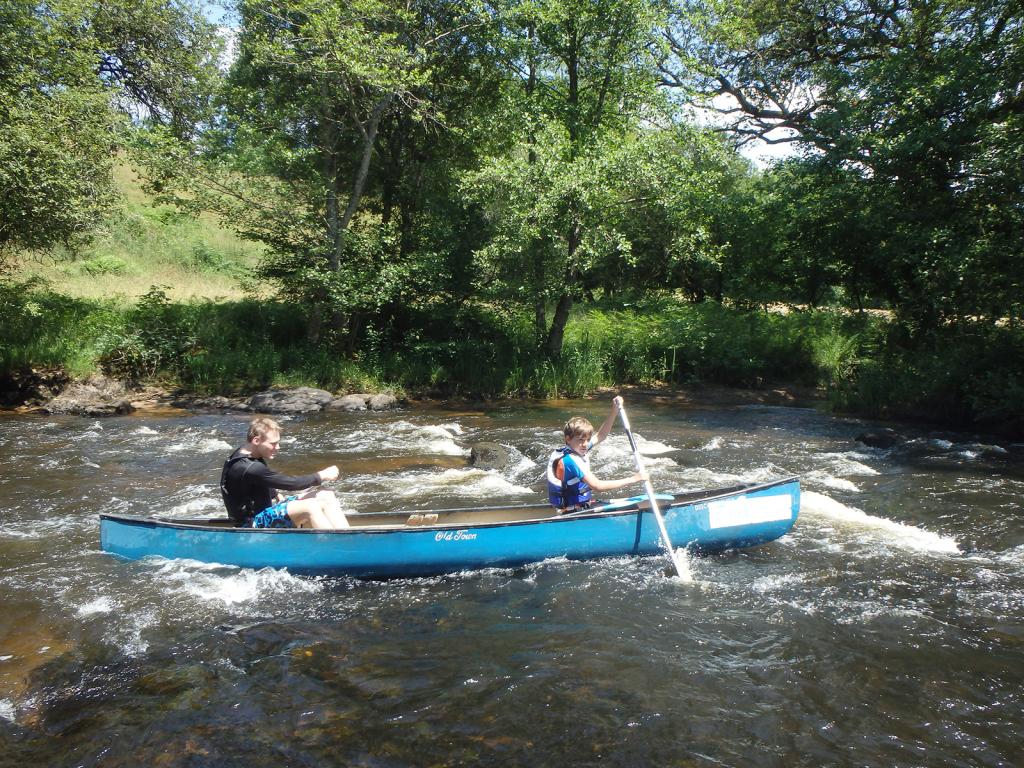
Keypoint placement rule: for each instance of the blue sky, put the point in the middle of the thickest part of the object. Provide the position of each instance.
(214, 11)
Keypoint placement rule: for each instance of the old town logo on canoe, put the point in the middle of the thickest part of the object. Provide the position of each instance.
(454, 536)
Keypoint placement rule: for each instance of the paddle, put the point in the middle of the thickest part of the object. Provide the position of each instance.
(651, 495)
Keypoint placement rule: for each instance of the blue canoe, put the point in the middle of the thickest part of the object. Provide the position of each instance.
(391, 544)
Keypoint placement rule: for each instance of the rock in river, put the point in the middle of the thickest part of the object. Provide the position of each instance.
(489, 456)
(362, 401)
(348, 403)
(880, 438)
(96, 396)
(297, 400)
(382, 402)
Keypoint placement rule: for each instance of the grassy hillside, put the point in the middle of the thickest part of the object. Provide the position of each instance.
(148, 244)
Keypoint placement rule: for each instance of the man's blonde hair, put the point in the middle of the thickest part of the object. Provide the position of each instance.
(262, 427)
(578, 426)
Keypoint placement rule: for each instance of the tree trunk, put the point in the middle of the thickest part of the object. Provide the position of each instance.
(369, 131)
(329, 173)
(355, 324)
(572, 66)
(540, 321)
(392, 177)
(561, 318)
(558, 323)
(315, 323)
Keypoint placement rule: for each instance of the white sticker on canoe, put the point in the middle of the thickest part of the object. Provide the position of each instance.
(749, 511)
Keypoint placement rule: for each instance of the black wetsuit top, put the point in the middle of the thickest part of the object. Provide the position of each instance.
(247, 485)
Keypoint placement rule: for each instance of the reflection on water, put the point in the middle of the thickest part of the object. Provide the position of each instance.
(886, 629)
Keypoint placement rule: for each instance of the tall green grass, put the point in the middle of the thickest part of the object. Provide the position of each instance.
(230, 347)
(963, 376)
(43, 329)
(657, 342)
(147, 244)
(670, 342)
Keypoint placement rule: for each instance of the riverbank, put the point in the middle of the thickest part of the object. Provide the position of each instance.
(963, 378)
(97, 395)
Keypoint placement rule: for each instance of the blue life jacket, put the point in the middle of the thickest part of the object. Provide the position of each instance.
(570, 490)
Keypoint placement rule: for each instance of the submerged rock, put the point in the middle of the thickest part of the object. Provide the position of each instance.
(214, 402)
(489, 456)
(880, 438)
(987, 449)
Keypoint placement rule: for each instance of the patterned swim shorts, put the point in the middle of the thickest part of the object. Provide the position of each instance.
(275, 516)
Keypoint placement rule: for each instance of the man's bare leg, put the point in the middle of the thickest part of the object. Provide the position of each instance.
(308, 513)
(331, 509)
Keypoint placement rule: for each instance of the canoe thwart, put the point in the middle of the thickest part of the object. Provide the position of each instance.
(425, 519)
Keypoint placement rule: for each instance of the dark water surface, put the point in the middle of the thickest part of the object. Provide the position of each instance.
(887, 629)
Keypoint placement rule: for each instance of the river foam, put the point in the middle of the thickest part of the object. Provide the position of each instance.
(403, 437)
(907, 536)
(201, 445)
(461, 482)
(204, 504)
(827, 479)
(619, 444)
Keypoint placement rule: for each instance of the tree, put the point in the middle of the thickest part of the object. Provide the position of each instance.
(675, 188)
(55, 154)
(804, 234)
(69, 72)
(328, 115)
(580, 75)
(922, 101)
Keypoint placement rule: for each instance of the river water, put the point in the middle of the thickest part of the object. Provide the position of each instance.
(886, 629)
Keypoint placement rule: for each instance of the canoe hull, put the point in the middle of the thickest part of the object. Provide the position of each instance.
(715, 520)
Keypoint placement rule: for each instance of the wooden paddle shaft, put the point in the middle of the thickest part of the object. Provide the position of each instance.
(650, 494)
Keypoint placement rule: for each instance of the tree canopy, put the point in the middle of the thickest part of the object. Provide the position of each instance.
(915, 109)
(71, 73)
(400, 156)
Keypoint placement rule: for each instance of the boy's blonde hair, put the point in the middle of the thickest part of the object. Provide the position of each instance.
(262, 427)
(578, 426)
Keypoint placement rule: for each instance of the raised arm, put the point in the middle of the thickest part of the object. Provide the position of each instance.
(606, 426)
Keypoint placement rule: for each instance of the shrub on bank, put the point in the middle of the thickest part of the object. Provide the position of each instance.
(43, 329)
(968, 377)
(961, 376)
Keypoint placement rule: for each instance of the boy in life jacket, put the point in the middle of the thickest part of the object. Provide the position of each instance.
(249, 487)
(571, 482)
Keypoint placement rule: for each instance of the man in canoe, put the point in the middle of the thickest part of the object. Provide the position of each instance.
(571, 482)
(249, 487)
